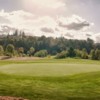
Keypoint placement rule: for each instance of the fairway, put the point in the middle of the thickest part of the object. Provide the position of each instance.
(48, 69)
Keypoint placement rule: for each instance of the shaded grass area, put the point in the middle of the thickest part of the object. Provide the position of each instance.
(77, 87)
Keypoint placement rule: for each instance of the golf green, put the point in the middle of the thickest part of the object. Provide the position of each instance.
(48, 69)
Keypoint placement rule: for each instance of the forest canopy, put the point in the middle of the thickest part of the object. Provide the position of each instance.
(21, 44)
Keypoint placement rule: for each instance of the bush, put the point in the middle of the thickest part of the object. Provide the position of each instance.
(61, 55)
(92, 55)
(78, 53)
(31, 51)
(97, 54)
(41, 53)
(21, 51)
(71, 53)
(10, 49)
(1, 50)
(84, 54)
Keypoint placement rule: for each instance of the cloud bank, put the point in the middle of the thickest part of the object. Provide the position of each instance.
(73, 27)
(74, 23)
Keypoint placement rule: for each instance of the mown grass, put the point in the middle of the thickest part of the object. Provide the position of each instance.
(78, 87)
(47, 60)
(75, 87)
(48, 69)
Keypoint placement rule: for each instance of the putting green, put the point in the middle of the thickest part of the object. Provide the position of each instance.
(48, 69)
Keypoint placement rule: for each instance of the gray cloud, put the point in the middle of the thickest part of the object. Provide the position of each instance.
(47, 30)
(97, 39)
(57, 29)
(4, 20)
(75, 26)
(69, 35)
(88, 35)
(6, 29)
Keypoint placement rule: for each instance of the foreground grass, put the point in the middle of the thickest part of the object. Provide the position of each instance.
(77, 87)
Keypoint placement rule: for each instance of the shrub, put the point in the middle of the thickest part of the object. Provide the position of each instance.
(92, 55)
(21, 51)
(31, 51)
(71, 52)
(1, 50)
(84, 54)
(78, 53)
(41, 53)
(10, 50)
(97, 54)
(61, 55)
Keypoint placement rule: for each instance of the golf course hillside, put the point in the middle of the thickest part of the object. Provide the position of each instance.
(49, 50)
(50, 79)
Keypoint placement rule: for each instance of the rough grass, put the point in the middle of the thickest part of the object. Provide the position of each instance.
(75, 87)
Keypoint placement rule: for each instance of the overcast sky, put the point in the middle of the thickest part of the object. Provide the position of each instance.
(75, 19)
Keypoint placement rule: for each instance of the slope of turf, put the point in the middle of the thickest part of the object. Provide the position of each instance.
(77, 87)
(26, 79)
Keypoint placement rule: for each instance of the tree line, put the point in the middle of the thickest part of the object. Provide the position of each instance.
(76, 53)
(23, 45)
